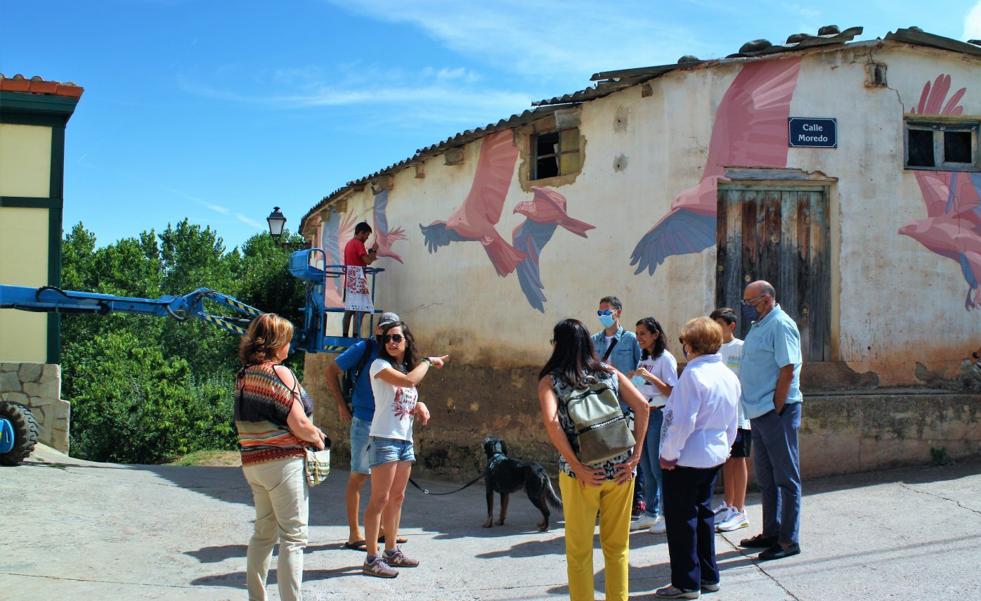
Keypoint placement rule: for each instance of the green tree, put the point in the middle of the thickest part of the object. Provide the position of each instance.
(145, 388)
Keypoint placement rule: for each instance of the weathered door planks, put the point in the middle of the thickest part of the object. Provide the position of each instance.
(779, 235)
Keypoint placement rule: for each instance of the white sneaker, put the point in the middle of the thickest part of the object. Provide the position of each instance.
(722, 516)
(720, 508)
(659, 527)
(734, 521)
(643, 522)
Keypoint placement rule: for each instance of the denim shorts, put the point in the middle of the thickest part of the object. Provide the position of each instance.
(389, 450)
(359, 445)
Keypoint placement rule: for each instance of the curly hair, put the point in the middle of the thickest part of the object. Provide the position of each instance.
(266, 336)
(703, 335)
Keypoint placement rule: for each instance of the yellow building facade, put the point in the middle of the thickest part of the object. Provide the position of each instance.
(33, 115)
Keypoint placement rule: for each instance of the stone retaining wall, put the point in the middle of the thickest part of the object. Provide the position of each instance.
(38, 386)
(842, 432)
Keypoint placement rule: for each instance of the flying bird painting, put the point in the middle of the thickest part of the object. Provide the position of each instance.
(544, 213)
(385, 237)
(336, 231)
(476, 218)
(750, 130)
(952, 227)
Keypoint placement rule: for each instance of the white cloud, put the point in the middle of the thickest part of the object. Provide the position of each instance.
(445, 94)
(558, 37)
(972, 23)
(248, 221)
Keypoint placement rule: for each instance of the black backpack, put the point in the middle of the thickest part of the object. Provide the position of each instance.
(350, 379)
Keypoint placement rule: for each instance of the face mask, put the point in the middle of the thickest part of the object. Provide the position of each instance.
(749, 313)
(606, 321)
(638, 381)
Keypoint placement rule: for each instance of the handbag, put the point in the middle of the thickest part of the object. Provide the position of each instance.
(316, 465)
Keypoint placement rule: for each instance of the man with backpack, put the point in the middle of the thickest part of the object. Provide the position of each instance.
(349, 383)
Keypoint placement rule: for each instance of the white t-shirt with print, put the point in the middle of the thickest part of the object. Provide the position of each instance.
(394, 405)
(732, 356)
(665, 368)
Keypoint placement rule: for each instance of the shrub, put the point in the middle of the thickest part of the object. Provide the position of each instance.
(130, 404)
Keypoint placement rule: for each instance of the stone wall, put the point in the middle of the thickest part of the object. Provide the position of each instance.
(841, 432)
(38, 386)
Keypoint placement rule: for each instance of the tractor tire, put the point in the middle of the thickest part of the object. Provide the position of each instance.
(25, 432)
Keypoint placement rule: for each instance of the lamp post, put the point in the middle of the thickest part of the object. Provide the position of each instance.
(276, 221)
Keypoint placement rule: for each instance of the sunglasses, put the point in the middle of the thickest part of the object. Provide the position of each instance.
(604, 312)
(396, 338)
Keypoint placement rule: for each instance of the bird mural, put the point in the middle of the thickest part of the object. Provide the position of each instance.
(952, 227)
(545, 212)
(385, 237)
(476, 218)
(750, 130)
(336, 231)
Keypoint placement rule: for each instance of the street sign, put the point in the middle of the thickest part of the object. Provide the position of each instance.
(812, 132)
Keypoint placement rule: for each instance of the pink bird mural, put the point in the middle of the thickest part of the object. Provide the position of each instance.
(544, 212)
(385, 237)
(336, 231)
(476, 218)
(952, 227)
(750, 130)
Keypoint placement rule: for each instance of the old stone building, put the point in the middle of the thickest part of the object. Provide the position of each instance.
(848, 173)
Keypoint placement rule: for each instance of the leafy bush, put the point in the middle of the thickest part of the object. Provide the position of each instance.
(130, 404)
(143, 388)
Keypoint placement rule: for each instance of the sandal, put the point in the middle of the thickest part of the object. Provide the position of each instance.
(399, 539)
(356, 545)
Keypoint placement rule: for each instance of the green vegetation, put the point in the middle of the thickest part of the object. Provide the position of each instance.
(148, 389)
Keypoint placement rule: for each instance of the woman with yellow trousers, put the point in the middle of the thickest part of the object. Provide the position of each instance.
(587, 490)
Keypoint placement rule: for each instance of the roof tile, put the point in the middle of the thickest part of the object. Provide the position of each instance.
(39, 85)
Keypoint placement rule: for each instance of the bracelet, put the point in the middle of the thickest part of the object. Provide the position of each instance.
(427, 360)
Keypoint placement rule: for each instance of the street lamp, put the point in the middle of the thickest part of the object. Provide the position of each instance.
(276, 222)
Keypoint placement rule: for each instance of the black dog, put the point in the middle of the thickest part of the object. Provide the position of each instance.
(505, 476)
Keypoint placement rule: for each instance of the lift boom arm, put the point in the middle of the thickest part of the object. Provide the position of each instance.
(49, 299)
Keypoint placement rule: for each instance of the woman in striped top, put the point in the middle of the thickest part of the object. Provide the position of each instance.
(272, 416)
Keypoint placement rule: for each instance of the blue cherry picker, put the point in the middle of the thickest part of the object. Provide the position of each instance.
(18, 428)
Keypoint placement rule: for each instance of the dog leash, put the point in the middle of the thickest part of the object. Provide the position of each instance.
(426, 491)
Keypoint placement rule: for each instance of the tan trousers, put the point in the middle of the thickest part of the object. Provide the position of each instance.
(281, 514)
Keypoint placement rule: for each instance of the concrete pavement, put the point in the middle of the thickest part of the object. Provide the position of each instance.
(77, 530)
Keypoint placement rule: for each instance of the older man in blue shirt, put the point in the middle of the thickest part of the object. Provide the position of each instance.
(771, 399)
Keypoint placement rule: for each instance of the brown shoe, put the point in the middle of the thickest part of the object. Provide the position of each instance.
(399, 560)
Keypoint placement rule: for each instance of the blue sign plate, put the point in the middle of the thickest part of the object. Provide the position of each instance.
(812, 132)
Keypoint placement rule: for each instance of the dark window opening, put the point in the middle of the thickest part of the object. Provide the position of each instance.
(957, 147)
(945, 144)
(546, 155)
(555, 153)
(920, 145)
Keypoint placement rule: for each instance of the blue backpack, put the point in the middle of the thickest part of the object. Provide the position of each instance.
(350, 379)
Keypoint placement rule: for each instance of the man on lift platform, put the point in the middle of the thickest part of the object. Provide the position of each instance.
(357, 296)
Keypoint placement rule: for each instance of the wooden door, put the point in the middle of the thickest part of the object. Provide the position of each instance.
(780, 235)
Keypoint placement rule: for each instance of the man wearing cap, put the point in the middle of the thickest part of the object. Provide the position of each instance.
(360, 414)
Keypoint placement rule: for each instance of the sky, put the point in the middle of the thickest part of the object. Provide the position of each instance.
(218, 110)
